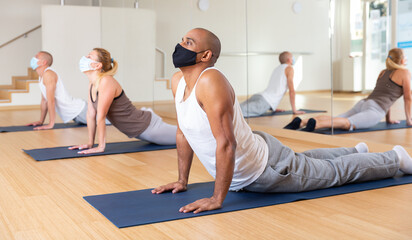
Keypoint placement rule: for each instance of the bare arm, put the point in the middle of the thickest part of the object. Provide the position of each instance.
(91, 125)
(406, 84)
(184, 155)
(289, 75)
(388, 118)
(49, 81)
(91, 121)
(216, 97)
(108, 90)
(43, 113)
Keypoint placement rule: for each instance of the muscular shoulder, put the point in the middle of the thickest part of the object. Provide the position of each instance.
(49, 77)
(213, 84)
(289, 71)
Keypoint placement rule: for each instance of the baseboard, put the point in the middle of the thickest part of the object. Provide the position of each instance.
(20, 107)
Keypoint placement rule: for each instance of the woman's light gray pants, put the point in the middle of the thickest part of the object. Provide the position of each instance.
(287, 171)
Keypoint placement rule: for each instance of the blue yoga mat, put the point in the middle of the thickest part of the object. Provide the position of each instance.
(141, 207)
(43, 154)
(290, 112)
(30, 128)
(378, 127)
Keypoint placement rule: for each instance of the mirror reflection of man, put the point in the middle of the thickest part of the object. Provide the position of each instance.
(280, 81)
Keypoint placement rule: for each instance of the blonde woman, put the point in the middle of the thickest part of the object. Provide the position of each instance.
(392, 83)
(108, 99)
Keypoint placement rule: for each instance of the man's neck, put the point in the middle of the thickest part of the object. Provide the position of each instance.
(40, 70)
(192, 73)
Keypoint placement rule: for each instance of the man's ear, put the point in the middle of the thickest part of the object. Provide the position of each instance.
(207, 55)
(43, 62)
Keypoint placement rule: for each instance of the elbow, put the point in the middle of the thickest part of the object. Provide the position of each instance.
(229, 146)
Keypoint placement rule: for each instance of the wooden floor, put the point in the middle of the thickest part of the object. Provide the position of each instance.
(43, 200)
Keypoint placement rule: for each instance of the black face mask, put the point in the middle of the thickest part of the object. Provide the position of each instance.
(183, 57)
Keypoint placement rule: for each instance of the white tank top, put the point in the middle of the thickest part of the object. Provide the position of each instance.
(66, 106)
(277, 87)
(251, 152)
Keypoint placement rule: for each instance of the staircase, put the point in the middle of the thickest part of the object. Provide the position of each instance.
(20, 84)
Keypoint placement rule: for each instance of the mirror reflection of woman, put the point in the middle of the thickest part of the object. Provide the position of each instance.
(392, 83)
(108, 99)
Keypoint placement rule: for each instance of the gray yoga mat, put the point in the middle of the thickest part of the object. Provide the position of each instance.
(378, 127)
(31, 128)
(141, 207)
(289, 112)
(43, 154)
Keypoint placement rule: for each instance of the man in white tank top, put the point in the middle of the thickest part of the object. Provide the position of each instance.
(55, 98)
(280, 81)
(211, 125)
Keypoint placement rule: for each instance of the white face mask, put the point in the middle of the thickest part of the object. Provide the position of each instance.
(85, 64)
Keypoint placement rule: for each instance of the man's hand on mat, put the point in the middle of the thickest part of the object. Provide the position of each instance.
(37, 123)
(201, 205)
(48, 126)
(393, 122)
(175, 187)
(298, 112)
(280, 110)
(409, 122)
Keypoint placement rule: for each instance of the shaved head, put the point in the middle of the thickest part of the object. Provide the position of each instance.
(46, 56)
(284, 57)
(209, 41)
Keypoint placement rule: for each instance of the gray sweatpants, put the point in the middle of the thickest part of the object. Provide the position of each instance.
(365, 114)
(254, 106)
(287, 171)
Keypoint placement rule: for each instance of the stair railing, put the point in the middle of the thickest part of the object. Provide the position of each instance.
(20, 36)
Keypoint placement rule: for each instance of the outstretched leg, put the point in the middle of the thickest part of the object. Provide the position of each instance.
(254, 106)
(158, 131)
(332, 153)
(287, 171)
(325, 122)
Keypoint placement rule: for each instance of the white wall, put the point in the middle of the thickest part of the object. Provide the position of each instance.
(17, 17)
(70, 32)
(129, 34)
(67, 38)
(272, 27)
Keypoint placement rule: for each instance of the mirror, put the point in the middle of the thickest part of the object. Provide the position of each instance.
(361, 50)
(252, 38)
(301, 28)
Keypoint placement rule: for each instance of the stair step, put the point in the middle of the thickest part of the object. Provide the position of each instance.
(23, 84)
(20, 84)
(14, 90)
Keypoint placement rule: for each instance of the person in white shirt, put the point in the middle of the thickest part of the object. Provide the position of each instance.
(55, 98)
(280, 81)
(211, 125)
